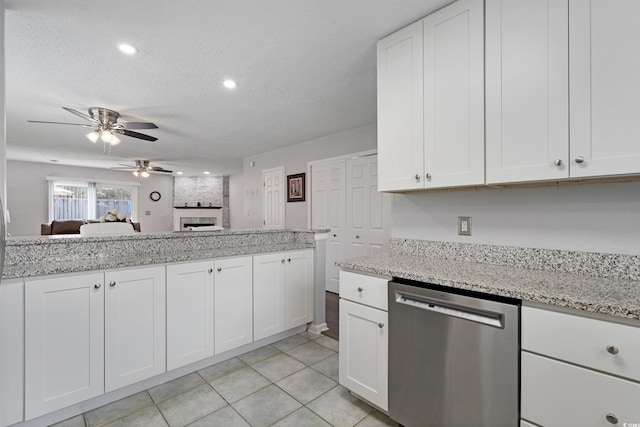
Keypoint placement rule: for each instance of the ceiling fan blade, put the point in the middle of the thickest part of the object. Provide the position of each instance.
(62, 123)
(82, 115)
(135, 134)
(123, 169)
(159, 169)
(139, 125)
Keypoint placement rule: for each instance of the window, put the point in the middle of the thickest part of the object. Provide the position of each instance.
(85, 199)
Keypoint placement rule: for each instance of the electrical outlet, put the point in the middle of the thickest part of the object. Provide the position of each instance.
(464, 225)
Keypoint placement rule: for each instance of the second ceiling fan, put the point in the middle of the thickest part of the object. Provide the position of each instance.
(105, 124)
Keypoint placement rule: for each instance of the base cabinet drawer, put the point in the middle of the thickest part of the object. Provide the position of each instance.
(559, 394)
(363, 289)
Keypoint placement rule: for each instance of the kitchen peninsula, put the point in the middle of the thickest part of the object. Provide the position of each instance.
(89, 320)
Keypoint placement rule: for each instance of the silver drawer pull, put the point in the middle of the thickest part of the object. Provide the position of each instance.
(612, 418)
(360, 289)
(579, 159)
(380, 325)
(97, 285)
(112, 284)
(219, 269)
(210, 270)
(612, 349)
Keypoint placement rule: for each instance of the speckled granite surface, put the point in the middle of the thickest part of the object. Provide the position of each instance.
(42, 255)
(605, 295)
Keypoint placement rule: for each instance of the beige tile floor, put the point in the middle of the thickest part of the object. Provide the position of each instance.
(293, 382)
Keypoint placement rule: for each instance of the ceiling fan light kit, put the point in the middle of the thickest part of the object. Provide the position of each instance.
(143, 169)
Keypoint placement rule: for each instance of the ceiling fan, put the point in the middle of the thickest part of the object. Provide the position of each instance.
(105, 124)
(142, 168)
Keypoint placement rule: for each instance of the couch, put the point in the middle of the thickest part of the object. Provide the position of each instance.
(70, 226)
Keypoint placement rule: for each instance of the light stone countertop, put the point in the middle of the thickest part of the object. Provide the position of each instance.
(609, 296)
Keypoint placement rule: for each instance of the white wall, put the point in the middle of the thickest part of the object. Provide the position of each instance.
(27, 195)
(590, 217)
(295, 159)
(236, 194)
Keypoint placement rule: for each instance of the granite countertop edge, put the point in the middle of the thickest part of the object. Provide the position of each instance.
(106, 263)
(614, 297)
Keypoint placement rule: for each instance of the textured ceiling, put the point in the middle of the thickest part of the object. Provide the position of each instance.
(305, 69)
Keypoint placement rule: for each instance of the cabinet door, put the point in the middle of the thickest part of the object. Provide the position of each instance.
(298, 288)
(604, 69)
(135, 332)
(189, 313)
(454, 95)
(268, 295)
(64, 342)
(527, 106)
(233, 324)
(363, 360)
(328, 211)
(400, 110)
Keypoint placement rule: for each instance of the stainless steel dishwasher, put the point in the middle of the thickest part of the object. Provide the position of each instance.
(454, 358)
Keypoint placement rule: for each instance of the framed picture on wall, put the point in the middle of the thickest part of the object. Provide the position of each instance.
(295, 187)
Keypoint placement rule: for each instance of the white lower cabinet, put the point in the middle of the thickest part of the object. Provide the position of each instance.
(64, 341)
(233, 302)
(135, 329)
(282, 292)
(189, 313)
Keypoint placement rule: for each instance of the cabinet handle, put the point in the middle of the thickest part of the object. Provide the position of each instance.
(219, 269)
(210, 270)
(380, 325)
(360, 289)
(112, 284)
(97, 285)
(612, 418)
(417, 178)
(288, 259)
(612, 349)
(579, 159)
(428, 176)
(557, 162)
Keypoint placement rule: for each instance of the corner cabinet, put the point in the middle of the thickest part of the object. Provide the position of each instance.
(561, 89)
(233, 303)
(64, 341)
(431, 101)
(190, 290)
(134, 325)
(282, 292)
(364, 341)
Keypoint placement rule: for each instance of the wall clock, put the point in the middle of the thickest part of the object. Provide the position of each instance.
(155, 196)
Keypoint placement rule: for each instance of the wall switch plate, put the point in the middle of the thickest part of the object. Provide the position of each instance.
(464, 225)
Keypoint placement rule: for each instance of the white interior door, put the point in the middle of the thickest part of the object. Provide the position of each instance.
(273, 199)
(328, 211)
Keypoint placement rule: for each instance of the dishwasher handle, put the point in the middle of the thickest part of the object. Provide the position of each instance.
(449, 309)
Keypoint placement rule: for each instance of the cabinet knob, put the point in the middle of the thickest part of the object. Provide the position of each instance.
(112, 284)
(97, 285)
(428, 176)
(282, 260)
(360, 289)
(210, 270)
(288, 259)
(219, 269)
(357, 237)
(612, 418)
(579, 159)
(612, 349)
(557, 162)
(335, 235)
(380, 325)
(417, 178)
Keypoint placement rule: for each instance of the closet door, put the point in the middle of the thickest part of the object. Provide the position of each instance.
(328, 206)
(604, 70)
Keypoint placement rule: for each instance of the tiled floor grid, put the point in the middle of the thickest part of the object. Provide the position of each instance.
(293, 382)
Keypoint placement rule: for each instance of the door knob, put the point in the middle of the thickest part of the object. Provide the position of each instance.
(579, 159)
(112, 284)
(97, 285)
(557, 162)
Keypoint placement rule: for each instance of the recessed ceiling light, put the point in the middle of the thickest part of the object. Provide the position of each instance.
(178, 173)
(207, 172)
(128, 49)
(229, 84)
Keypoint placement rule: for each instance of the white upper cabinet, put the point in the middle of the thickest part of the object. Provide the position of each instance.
(604, 87)
(400, 110)
(454, 95)
(527, 90)
(431, 101)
